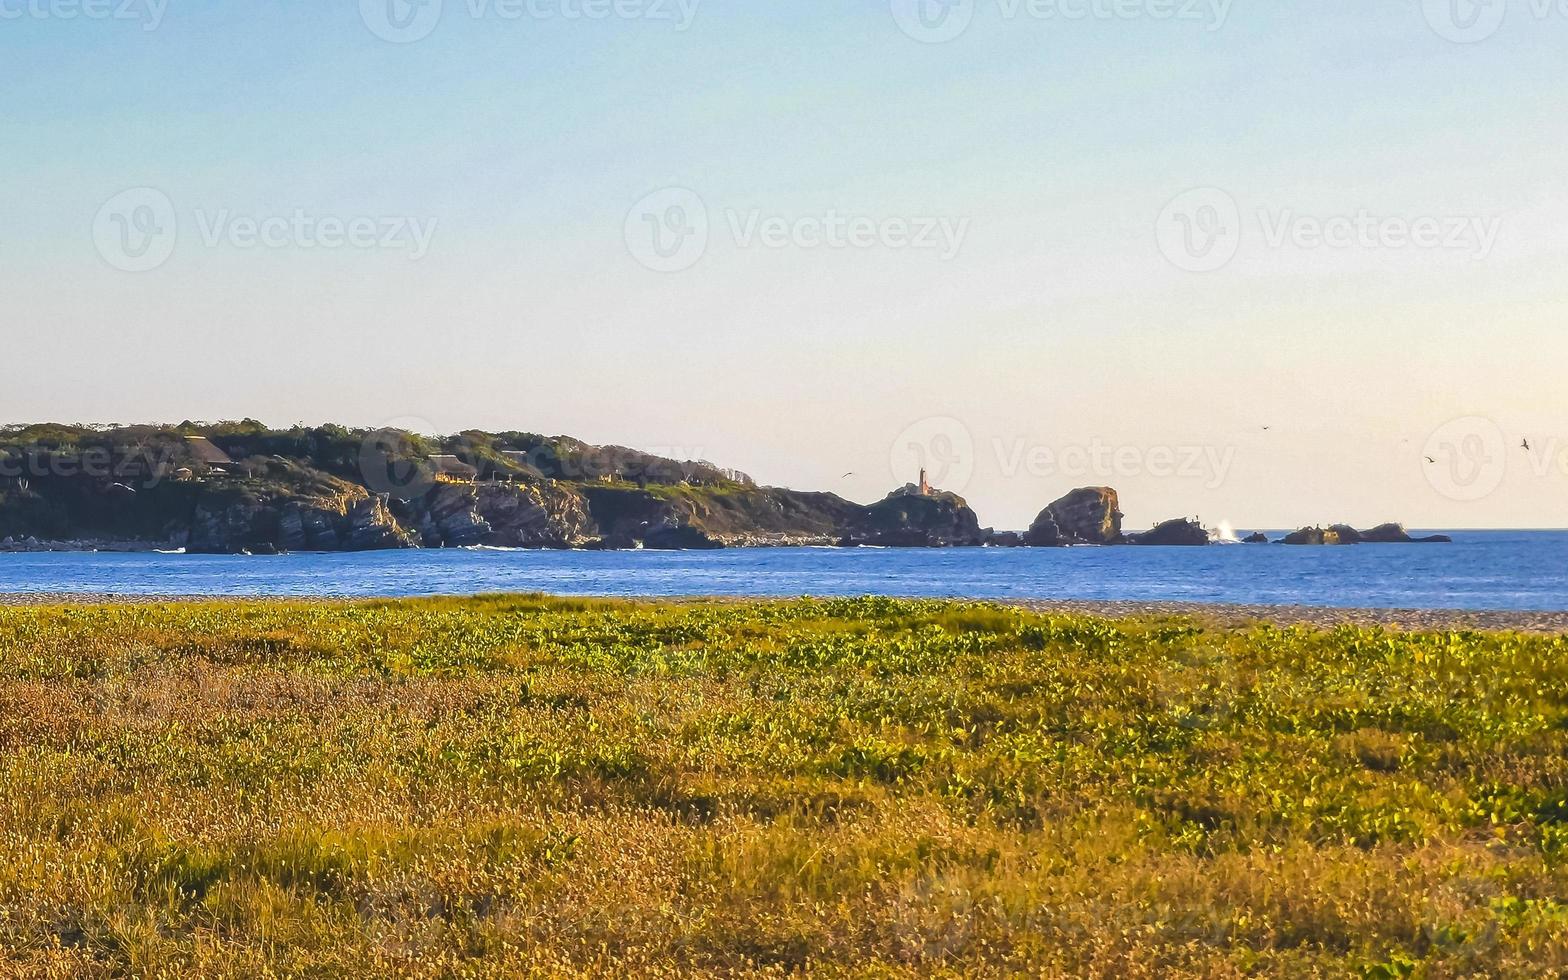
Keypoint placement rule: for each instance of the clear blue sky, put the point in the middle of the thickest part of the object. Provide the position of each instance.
(1058, 344)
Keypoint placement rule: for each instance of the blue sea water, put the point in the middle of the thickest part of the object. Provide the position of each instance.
(1482, 570)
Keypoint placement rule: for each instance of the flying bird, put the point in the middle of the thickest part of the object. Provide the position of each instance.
(1431, 460)
(1526, 445)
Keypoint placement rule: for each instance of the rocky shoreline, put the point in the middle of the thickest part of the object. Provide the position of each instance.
(244, 489)
(86, 546)
(455, 515)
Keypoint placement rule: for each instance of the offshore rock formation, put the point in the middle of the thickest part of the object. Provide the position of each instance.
(1091, 515)
(1396, 534)
(1344, 534)
(1181, 532)
(1003, 539)
(1311, 536)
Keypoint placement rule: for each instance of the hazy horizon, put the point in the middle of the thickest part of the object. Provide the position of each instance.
(1240, 262)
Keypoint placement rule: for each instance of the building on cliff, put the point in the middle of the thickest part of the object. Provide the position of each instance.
(454, 469)
(205, 452)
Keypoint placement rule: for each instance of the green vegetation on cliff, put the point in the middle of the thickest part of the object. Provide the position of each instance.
(242, 486)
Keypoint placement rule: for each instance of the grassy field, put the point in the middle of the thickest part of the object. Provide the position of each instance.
(516, 786)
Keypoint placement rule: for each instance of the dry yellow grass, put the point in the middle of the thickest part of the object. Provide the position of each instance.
(520, 786)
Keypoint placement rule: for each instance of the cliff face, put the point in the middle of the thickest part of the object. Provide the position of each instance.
(243, 488)
(239, 519)
(729, 516)
(749, 517)
(240, 487)
(546, 515)
(1181, 532)
(910, 520)
(449, 515)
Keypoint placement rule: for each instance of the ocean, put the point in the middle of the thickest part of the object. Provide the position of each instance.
(1481, 570)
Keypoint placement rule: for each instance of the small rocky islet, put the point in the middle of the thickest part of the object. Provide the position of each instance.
(242, 488)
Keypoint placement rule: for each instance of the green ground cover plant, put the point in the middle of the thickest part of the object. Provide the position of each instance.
(507, 786)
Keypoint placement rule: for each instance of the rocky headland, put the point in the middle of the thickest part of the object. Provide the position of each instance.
(236, 488)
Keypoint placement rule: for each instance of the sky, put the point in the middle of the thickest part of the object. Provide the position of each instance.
(1264, 263)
